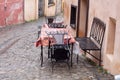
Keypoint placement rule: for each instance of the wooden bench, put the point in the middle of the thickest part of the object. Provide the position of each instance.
(94, 41)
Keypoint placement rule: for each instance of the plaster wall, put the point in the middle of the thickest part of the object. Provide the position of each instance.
(30, 10)
(58, 6)
(50, 10)
(116, 60)
(11, 12)
(104, 10)
(67, 10)
(62, 5)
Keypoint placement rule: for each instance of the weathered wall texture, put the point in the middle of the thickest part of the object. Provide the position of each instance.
(105, 12)
(62, 5)
(30, 10)
(54, 9)
(2, 13)
(11, 12)
(116, 58)
(67, 10)
(50, 11)
(58, 6)
(108, 11)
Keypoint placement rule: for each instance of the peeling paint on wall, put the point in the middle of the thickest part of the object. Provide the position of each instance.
(2, 13)
(11, 11)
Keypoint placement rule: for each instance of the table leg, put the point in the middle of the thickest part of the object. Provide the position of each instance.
(41, 55)
(49, 49)
(71, 54)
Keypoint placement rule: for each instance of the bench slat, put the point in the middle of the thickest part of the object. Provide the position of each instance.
(87, 44)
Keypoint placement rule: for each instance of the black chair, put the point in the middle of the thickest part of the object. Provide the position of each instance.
(59, 48)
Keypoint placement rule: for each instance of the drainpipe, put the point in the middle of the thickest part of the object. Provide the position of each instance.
(78, 18)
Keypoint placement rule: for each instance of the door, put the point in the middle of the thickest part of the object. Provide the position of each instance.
(58, 6)
(83, 18)
(11, 11)
(41, 6)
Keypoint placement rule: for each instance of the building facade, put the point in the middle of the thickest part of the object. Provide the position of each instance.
(19, 11)
(79, 15)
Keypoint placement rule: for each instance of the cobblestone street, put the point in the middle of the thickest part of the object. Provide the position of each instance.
(20, 59)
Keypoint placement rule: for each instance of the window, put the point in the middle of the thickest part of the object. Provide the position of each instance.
(111, 35)
(50, 3)
(73, 16)
(111, 39)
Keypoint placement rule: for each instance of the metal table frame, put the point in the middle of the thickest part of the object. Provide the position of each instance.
(41, 54)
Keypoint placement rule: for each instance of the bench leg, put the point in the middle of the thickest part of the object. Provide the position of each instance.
(38, 34)
(49, 50)
(41, 56)
(100, 59)
(85, 51)
(71, 54)
(77, 58)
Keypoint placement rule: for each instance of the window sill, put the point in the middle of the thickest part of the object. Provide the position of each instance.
(110, 57)
(73, 26)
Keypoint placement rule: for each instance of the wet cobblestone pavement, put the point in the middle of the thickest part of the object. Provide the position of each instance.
(20, 59)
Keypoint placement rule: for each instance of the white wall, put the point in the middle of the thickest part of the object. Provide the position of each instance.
(30, 10)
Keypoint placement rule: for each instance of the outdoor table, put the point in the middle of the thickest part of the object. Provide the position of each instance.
(43, 40)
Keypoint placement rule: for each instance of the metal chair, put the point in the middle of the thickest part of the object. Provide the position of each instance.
(39, 31)
(59, 48)
(57, 25)
(50, 19)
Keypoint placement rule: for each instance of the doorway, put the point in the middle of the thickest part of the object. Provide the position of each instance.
(73, 16)
(41, 6)
(111, 36)
(83, 18)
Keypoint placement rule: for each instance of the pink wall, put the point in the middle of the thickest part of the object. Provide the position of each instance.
(2, 13)
(11, 11)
